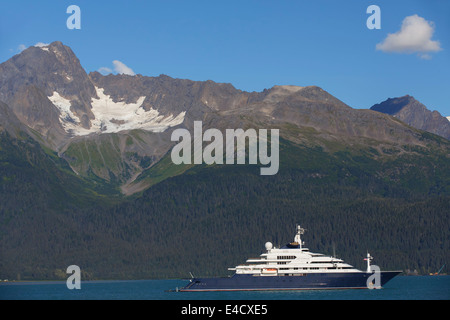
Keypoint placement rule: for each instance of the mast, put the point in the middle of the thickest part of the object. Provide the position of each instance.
(298, 238)
(369, 257)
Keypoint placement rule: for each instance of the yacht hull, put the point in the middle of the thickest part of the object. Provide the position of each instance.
(306, 281)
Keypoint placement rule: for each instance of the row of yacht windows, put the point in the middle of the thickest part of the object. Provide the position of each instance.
(294, 257)
(312, 262)
(286, 257)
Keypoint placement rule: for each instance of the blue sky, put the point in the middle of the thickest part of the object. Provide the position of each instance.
(253, 44)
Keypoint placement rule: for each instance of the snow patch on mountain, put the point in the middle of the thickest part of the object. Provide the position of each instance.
(110, 116)
(69, 121)
(43, 46)
(448, 118)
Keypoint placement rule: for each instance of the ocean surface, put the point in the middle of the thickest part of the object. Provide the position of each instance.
(399, 288)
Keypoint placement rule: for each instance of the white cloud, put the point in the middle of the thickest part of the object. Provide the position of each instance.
(424, 56)
(413, 37)
(21, 47)
(104, 70)
(41, 44)
(121, 68)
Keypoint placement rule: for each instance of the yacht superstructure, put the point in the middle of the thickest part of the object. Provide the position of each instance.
(292, 259)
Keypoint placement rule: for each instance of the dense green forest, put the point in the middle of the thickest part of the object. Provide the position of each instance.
(214, 217)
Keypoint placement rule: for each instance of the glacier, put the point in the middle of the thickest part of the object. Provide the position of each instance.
(112, 117)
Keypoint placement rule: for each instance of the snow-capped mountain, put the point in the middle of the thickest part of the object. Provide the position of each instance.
(115, 127)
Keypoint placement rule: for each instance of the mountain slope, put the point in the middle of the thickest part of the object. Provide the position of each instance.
(116, 127)
(414, 113)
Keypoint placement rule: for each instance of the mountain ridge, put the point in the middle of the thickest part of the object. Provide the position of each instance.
(116, 127)
(414, 113)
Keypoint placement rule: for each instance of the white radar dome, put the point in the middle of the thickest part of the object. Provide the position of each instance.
(269, 246)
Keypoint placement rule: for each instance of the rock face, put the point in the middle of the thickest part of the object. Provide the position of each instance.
(53, 68)
(9, 121)
(414, 113)
(115, 127)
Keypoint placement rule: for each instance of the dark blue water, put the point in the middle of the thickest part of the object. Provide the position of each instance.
(400, 288)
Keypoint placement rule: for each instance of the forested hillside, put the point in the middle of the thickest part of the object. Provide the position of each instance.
(212, 218)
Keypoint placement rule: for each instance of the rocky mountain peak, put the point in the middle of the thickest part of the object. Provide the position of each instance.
(45, 71)
(394, 105)
(52, 68)
(415, 114)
